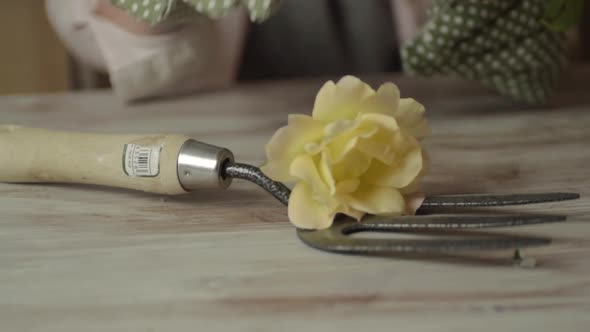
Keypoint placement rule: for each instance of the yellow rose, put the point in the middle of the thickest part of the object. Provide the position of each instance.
(359, 153)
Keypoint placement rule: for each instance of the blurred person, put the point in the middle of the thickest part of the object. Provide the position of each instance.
(152, 48)
(156, 48)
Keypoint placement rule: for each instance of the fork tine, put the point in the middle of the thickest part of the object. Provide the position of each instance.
(335, 241)
(430, 222)
(445, 201)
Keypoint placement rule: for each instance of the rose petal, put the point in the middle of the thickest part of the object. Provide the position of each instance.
(341, 101)
(304, 212)
(325, 169)
(399, 175)
(410, 116)
(386, 122)
(324, 100)
(413, 202)
(341, 145)
(380, 151)
(351, 165)
(344, 136)
(276, 170)
(376, 200)
(379, 145)
(299, 120)
(305, 169)
(389, 94)
(313, 148)
(347, 186)
(350, 87)
(287, 143)
(308, 170)
(339, 127)
(414, 186)
(351, 212)
(385, 101)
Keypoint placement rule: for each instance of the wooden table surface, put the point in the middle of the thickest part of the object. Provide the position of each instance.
(78, 258)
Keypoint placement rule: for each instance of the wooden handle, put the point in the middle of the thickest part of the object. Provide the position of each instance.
(140, 162)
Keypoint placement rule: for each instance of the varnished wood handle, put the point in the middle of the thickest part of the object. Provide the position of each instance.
(141, 162)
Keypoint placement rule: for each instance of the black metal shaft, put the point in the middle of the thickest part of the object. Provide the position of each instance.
(255, 175)
(282, 193)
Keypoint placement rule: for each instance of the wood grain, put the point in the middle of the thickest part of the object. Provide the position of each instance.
(86, 258)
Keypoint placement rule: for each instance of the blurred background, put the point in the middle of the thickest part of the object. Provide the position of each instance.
(34, 60)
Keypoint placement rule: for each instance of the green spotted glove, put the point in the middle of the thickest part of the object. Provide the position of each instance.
(160, 11)
(503, 44)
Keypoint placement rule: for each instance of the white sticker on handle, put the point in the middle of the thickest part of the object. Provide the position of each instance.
(141, 161)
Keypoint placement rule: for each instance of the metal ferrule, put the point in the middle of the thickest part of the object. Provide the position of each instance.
(200, 165)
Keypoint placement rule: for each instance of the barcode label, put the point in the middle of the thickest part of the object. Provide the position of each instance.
(141, 161)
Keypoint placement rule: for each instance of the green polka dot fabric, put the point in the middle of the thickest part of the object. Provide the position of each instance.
(501, 43)
(160, 11)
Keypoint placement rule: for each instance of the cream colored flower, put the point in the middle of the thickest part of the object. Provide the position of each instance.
(359, 153)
